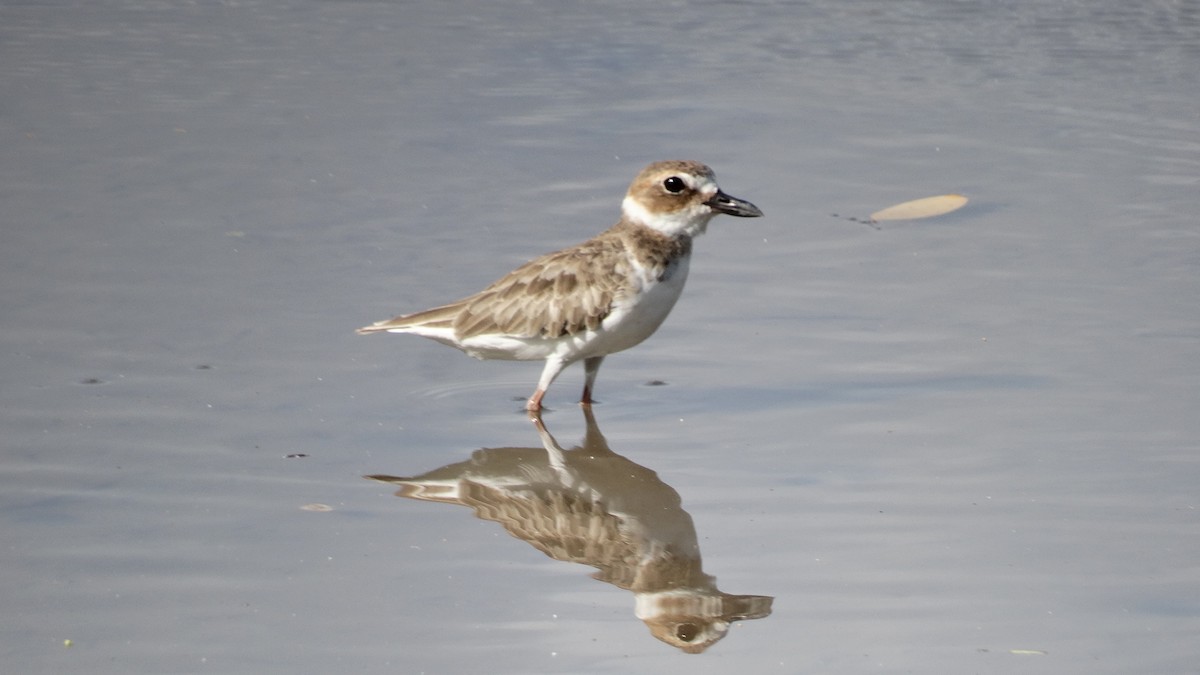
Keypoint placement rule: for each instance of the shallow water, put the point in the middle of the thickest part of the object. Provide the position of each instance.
(964, 444)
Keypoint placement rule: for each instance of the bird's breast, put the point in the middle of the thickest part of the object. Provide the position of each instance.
(636, 316)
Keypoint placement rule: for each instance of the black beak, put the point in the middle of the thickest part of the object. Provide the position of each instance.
(723, 203)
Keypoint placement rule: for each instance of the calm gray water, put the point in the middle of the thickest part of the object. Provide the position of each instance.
(966, 444)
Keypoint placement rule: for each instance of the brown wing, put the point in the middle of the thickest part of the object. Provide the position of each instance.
(438, 317)
(560, 293)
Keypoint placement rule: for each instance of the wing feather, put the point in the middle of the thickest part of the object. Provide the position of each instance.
(438, 317)
(562, 293)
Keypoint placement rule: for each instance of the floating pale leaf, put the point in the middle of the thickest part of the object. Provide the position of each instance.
(921, 208)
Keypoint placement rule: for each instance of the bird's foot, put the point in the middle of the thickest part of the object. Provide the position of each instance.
(534, 404)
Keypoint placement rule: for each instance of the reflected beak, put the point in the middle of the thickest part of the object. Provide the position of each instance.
(723, 203)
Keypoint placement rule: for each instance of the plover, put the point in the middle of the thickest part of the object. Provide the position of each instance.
(590, 300)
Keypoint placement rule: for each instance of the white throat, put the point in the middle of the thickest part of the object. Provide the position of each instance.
(691, 221)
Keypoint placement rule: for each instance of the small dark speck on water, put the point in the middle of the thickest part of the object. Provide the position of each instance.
(91, 380)
(203, 366)
(296, 455)
(656, 383)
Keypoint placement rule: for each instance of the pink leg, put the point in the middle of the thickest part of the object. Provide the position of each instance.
(591, 367)
(534, 404)
(553, 367)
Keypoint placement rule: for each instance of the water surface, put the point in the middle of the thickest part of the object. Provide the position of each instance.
(966, 444)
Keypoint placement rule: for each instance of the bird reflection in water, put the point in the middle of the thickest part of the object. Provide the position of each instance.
(592, 506)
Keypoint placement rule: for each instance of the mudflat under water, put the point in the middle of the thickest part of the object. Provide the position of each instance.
(963, 444)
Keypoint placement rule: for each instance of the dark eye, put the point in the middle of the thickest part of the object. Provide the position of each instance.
(686, 632)
(674, 184)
